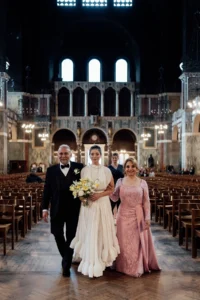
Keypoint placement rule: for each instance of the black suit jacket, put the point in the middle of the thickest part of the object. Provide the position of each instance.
(52, 190)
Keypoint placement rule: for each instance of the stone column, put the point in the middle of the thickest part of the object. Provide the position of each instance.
(56, 103)
(102, 103)
(109, 153)
(78, 153)
(182, 94)
(3, 89)
(86, 104)
(71, 103)
(53, 160)
(149, 105)
(3, 142)
(139, 106)
(48, 105)
(132, 105)
(117, 104)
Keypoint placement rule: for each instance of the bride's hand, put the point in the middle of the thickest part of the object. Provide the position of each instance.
(147, 224)
(94, 197)
(82, 199)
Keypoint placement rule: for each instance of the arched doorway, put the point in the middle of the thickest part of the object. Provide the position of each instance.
(94, 96)
(92, 137)
(124, 102)
(64, 136)
(63, 102)
(124, 142)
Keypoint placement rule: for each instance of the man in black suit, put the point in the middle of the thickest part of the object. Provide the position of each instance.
(64, 209)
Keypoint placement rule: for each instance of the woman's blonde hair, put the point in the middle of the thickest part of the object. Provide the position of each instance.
(132, 160)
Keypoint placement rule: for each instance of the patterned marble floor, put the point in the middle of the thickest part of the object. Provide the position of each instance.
(33, 271)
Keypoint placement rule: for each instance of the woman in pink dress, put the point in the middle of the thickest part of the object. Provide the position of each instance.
(137, 253)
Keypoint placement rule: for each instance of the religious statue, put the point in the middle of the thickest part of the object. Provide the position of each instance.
(150, 161)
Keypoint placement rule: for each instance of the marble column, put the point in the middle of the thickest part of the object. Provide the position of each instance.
(149, 105)
(109, 153)
(3, 142)
(3, 89)
(78, 153)
(139, 105)
(86, 104)
(117, 104)
(102, 103)
(48, 105)
(53, 160)
(56, 104)
(132, 105)
(71, 103)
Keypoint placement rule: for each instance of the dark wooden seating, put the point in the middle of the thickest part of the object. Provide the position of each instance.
(7, 218)
(7, 210)
(195, 232)
(185, 222)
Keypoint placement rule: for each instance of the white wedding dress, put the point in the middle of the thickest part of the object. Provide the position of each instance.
(95, 243)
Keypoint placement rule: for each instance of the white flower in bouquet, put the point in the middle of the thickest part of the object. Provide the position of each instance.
(80, 193)
(84, 188)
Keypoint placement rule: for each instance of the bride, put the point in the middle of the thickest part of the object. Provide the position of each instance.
(95, 242)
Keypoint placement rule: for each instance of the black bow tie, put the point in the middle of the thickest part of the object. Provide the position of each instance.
(64, 166)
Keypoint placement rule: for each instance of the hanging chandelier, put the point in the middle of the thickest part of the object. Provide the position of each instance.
(195, 105)
(161, 112)
(161, 128)
(43, 136)
(145, 136)
(28, 127)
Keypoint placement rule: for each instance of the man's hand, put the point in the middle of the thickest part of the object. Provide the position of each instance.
(45, 216)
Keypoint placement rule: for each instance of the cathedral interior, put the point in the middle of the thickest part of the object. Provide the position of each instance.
(122, 74)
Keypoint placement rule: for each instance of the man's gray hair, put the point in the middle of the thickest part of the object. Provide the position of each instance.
(64, 146)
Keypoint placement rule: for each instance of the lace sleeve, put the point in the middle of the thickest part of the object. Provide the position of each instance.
(146, 201)
(115, 195)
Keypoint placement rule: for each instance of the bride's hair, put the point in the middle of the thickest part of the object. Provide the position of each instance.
(95, 147)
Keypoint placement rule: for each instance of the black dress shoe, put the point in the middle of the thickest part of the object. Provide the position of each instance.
(66, 272)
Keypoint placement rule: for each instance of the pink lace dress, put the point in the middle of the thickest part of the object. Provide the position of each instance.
(137, 252)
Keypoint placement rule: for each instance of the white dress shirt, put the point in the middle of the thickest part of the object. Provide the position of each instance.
(65, 170)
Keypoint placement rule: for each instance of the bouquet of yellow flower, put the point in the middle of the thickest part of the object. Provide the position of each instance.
(83, 188)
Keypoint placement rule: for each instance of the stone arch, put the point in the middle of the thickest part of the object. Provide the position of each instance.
(63, 102)
(124, 139)
(64, 136)
(88, 136)
(94, 98)
(196, 124)
(109, 102)
(124, 102)
(78, 102)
